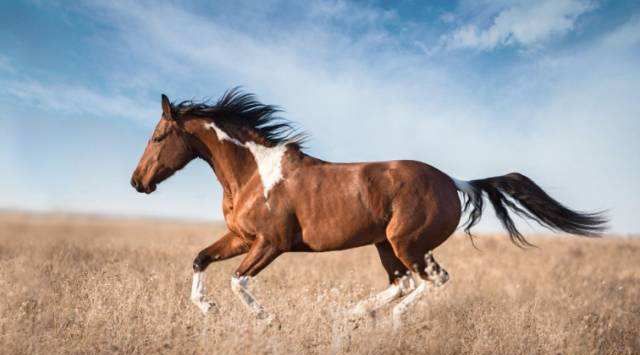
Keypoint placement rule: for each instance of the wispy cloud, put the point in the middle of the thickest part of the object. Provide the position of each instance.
(523, 23)
(343, 72)
(626, 36)
(67, 99)
(352, 77)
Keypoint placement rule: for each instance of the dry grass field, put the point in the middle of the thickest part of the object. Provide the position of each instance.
(73, 284)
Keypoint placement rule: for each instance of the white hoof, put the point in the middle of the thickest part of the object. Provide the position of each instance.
(203, 305)
(359, 311)
(265, 318)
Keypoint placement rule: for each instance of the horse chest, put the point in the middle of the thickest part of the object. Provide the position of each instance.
(250, 217)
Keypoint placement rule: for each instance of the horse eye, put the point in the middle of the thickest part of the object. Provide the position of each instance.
(158, 138)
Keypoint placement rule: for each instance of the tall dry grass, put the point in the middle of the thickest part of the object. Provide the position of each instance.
(88, 285)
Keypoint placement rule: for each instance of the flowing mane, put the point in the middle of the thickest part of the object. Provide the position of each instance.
(238, 109)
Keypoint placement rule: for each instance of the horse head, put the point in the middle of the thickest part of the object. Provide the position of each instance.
(167, 151)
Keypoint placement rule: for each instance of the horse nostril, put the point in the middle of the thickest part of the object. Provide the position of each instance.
(134, 183)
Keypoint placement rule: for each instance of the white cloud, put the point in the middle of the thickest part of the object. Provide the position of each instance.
(76, 100)
(524, 23)
(328, 80)
(365, 97)
(368, 99)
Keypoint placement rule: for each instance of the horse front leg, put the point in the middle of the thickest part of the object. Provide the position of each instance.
(226, 247)
(262, 253)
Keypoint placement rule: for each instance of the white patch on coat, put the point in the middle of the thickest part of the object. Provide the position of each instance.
(197, 293)
(222, 135)
(268, 159)
(464, 186)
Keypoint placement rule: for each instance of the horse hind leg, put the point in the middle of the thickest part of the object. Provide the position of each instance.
(400, 283)
(433, 272)
(431, 275)
(414, 250)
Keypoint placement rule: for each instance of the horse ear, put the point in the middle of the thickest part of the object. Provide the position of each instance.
(166, 107)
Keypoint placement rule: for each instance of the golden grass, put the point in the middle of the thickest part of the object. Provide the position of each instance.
(74, 284)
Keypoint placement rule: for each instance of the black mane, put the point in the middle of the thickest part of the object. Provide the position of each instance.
(243, 110)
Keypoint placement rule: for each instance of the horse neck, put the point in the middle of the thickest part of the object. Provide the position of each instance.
(232, 163)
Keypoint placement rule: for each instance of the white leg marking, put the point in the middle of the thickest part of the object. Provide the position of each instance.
(197, 293)
(375, 302)
(402, 307)
(407, 284)
(379, 300)
(239, 287)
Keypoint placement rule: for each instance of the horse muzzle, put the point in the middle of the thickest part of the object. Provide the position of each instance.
(142, 188)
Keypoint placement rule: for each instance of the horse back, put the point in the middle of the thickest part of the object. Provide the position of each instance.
(345, 205)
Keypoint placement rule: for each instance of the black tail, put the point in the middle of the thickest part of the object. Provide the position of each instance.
(521, 195)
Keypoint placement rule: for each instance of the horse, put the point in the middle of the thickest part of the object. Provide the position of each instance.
(278, 199)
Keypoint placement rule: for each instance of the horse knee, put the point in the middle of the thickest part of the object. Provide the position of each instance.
(201, 261)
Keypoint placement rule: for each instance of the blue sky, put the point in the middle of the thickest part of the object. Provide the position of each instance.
(475, 88)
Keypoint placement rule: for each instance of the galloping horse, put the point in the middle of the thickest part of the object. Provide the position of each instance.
(279, 199)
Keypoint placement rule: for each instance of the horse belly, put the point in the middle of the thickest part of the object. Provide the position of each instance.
(335, 236)
(342, 222)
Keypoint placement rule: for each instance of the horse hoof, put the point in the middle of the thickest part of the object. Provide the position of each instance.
(359, 312)
(205, 306)
(268, 321)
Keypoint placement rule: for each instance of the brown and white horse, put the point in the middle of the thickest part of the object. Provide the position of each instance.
(278, 199)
